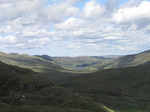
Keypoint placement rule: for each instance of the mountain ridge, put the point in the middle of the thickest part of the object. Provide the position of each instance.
(124, 61)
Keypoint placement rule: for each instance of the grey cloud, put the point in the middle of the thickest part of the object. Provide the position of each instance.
(142, 23)
(16, 9)
(111, 6)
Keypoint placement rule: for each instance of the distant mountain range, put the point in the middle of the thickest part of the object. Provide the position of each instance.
(80, 61)
(38, 64)
(42, 64)
(55, 66)
(123, 61)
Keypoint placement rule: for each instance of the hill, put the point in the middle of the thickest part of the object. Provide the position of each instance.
(80, 62)
(16, 80)
(42, 64)
(54, 67)
(120, 89)
(35, 63)
(124, 61)
(129, 81)
(24, 90)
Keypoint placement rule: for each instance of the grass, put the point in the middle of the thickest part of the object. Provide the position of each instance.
(54, 104)
(119, 104)
(122, 89)
(124, 61)
(131, 81)
(44, 66)
(28, 108)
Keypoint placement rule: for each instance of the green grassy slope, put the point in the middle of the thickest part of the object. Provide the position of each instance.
(81, 61)
(130, 81)
(35, 63)
(41, 64)
(16, 80)
(121, 89)
(43, 95)
(124, 61)
(22, 90)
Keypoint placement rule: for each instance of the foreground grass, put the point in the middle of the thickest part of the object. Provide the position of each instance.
(120, 104)
(52, 104)
(83, 103)
(27, 108)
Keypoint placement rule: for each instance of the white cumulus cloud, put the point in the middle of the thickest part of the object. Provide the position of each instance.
(139, 15)
(64, 24)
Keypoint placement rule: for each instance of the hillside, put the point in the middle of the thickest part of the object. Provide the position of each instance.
(22, 90)
(122, 89)
(124, 61)
(16, 80)
(130, 81)
(33, 62)
(54, 67)
(80, 62)
(42, 64)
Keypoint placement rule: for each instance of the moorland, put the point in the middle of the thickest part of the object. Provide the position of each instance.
(42, 83)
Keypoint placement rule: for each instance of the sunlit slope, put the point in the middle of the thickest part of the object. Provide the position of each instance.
(46, 66)
(130, 81)
(124, 61)
(81, 63)
(33, 62)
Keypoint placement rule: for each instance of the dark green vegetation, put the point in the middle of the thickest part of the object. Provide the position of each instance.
(111, 90)
(22, 90)
(130, 84)
(129, 81)
(19, 81)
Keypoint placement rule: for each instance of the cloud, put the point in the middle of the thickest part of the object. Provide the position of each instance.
(70, 23)
(138, 15)
(112, 38)
(8, 40)
(92, 9)
(111, 6)
(15, 9)
(57, 12)
(95, 27)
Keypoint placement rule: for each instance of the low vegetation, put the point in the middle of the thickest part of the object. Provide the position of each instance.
(24, 90)
(123, 88)
(129, 81)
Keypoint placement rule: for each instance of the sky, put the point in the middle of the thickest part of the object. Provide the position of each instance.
(74, 27)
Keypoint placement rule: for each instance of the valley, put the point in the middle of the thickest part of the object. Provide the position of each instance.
(75, 84)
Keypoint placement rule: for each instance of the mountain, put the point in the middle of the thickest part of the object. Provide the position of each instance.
(33, 62)
(124, 61)
(42, 64)
(112, 90)
(128, 81)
